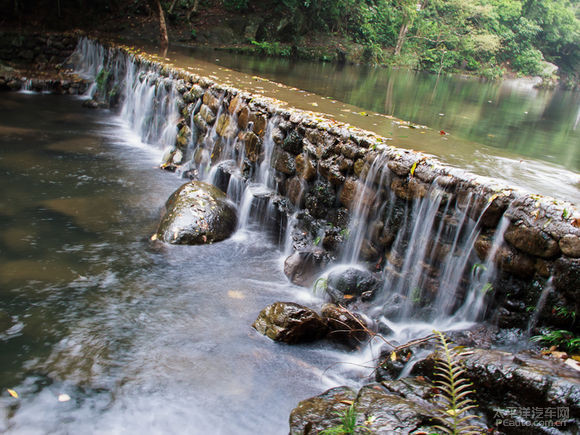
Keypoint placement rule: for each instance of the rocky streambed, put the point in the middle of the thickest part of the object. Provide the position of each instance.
(389, 237)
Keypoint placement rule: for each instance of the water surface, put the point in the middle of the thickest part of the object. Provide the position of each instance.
(508, 131)
(143, 338)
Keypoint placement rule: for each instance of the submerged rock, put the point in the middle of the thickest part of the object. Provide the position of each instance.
(290, 323)
(195, 214)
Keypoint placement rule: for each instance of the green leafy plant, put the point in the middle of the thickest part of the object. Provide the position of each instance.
(348, 423)
(562, 339)
(454, 390)
(564, 313)
(487, 288)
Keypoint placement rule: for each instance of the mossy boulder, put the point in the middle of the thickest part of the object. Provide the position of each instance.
(290, 323)
(195, 214)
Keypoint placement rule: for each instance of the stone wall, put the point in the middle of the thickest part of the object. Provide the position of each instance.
(326, 173)
(34, 62)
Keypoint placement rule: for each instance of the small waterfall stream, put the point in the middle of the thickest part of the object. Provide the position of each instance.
(431, 272)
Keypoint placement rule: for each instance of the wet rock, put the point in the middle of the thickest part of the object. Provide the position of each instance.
(567, 278)
(570, 245)
(293, 143)
(305, 168)
(505, 380)
(207, 114)
(400, 167)
(290, 323)
(235, 105)
(506, 257)
(354, 192)
(303, 267)
(348, 285)
(390, 368)
(244, 118)
(211, 101)
(409, 189)
(183, 137)
(532, 241)
(284, 162)
(344, 326)
(391, 413)
(358, 167)
(330, 170)
(321, 412)
(278, 137)
(259, 122)
(252, 145)
(197, 213)
(295, 188)
(320, 198)
(225, 127)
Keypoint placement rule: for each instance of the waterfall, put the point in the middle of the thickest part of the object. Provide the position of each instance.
(422, 245)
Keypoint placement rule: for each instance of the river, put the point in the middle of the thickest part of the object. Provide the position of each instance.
(142, 339)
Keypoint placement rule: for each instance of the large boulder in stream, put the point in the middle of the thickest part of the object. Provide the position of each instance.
(195, 214)
(290, 323)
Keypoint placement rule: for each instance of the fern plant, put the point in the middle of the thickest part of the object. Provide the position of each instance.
(455, 391)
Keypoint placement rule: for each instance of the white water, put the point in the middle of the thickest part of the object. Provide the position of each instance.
(459, 298)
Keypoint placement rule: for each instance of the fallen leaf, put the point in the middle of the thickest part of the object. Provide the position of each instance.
(12, 393)
(235, 294)
(393, 356)
(63, 397)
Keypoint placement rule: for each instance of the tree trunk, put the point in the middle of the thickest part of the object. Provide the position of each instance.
(164, 39)
(193, 10)
(402, 33)
(170, 10)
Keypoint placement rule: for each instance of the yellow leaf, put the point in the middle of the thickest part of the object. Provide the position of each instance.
(413, 168)
(235, 294)
(393, 356)
(12, 393)
(154, 237)
(451, 412)
(314, 104)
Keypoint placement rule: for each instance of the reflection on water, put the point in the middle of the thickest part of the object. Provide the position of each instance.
(143, 338)
(510, 131)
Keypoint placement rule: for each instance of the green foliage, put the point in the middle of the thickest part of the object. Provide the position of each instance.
(237, 5)
(101, 80)
(448, 35)
(562, 339)
(272, 48)
(348, 424)
(455, 391)
(565, 313)
(320, 286)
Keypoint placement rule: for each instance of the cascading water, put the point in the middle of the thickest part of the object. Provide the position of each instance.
(429, 268)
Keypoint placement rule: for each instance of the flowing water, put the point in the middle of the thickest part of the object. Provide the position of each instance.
(155, 338)
(142, 339)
